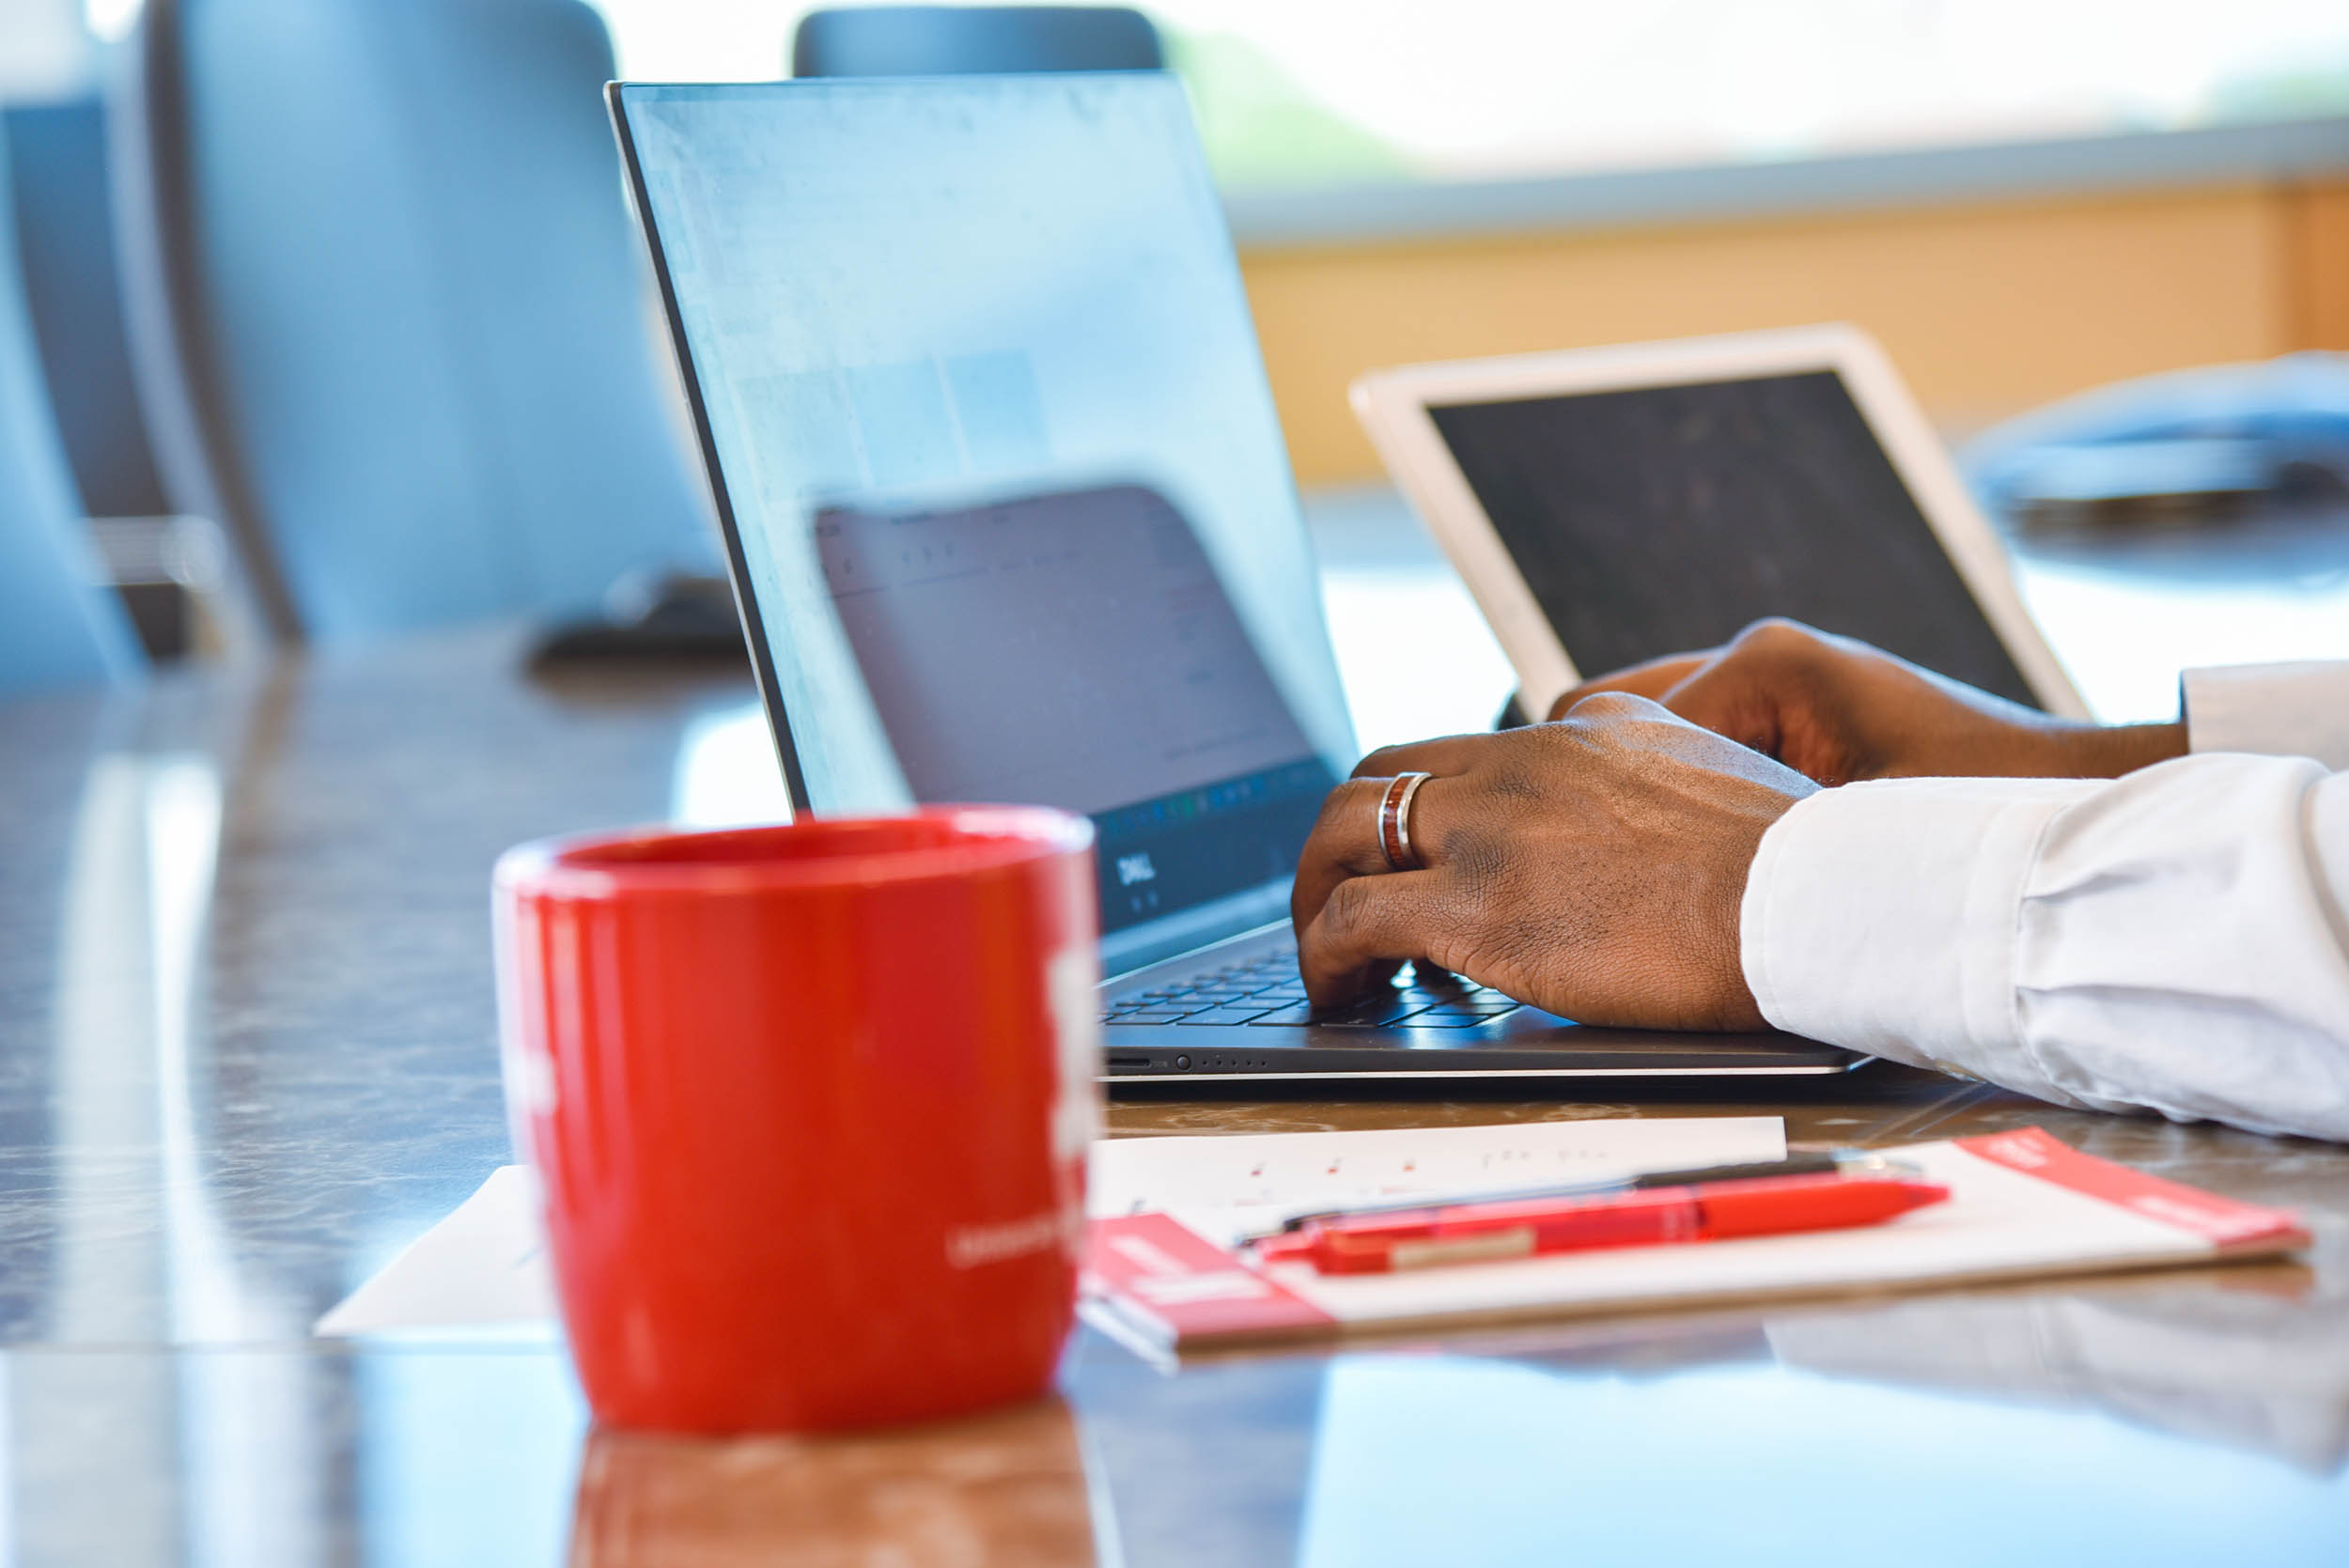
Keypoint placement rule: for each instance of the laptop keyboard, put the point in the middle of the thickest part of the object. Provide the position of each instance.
(1266, 990)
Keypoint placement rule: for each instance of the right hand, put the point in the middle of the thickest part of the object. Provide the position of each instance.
(1837, 710)
(1595, 867)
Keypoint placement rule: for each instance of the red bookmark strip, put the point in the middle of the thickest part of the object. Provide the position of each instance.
(1153, 1264)
(2218, 1219)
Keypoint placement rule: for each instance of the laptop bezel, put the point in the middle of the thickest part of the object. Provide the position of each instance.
(713, 471)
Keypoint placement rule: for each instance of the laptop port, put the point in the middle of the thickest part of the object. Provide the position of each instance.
(1130, 1062)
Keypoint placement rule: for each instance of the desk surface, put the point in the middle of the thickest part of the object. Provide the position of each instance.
(247, 1052)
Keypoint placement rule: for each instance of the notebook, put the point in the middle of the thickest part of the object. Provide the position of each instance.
(1176, 1278)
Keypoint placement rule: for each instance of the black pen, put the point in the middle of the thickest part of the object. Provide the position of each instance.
(1827, 1162)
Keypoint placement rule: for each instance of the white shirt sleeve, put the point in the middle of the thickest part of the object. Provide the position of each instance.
(2299, 710)
(2177, 940)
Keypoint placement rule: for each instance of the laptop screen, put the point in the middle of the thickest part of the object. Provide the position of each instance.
(1003, 476)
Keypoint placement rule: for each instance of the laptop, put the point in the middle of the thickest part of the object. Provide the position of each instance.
(1009, 518)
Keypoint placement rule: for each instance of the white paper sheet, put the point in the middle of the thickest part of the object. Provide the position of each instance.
(484, 1266)
(1286, 1171)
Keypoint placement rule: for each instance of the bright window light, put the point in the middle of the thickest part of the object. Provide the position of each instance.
(1314, 91)
(111, 19)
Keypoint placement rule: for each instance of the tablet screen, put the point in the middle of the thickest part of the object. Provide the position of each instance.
(1652, 520)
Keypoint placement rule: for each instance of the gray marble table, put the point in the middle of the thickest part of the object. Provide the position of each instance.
(246, 1054)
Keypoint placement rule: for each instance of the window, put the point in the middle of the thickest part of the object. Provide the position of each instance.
(1315, 92)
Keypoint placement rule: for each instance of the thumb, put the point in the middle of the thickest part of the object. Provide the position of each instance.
(1651, 679)
(1730, 697)
(1776, 708)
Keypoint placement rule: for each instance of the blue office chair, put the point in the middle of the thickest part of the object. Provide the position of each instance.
(941, 40)
(386, 308)
(66, 240)
(57, 625)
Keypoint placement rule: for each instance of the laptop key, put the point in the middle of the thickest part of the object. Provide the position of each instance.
(1225, 1016)
(1155, 1015)
(1375, 1016)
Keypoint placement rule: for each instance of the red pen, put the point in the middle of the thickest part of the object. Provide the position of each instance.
(1489, 1231)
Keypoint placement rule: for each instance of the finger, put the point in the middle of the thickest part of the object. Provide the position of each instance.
(1348, 839)
(1651, 679)
(1450, 753)
(1367, 925)
(1736, 699)
(1342, 844)
(1610, 706)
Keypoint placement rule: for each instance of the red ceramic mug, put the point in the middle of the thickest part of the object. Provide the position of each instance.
(809, 1108)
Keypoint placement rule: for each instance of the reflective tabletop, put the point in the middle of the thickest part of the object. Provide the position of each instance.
(247, 1052)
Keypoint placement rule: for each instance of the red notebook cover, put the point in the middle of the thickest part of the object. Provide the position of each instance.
(2023, 1205)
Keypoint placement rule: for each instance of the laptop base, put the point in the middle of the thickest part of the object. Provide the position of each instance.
(1450, 1042)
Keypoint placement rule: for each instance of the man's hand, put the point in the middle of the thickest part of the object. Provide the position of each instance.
(1594, 867)
(1837, 710)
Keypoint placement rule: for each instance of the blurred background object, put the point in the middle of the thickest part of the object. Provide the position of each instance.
(2188, 445)
(57, 624)
(928, 41)
(65, 233)
(2024, 201)
(2021, 200)
(72, 287)
(390, 325)
(167, 568)
(1479, 90)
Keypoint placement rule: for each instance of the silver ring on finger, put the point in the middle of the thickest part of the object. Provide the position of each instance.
(1394, 822)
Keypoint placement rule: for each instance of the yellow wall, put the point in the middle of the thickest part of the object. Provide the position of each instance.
(2320, 267)
(1988, 308)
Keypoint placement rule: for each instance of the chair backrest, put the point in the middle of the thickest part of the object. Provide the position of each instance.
(941, 40)
(57, 625)
(66, 240)
(387, 310)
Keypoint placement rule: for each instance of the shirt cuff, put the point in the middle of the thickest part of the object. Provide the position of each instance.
(1883, 916)
(2296, 710)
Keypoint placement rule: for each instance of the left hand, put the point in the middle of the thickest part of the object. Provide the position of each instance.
(1836, 710)
(1595, 867)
